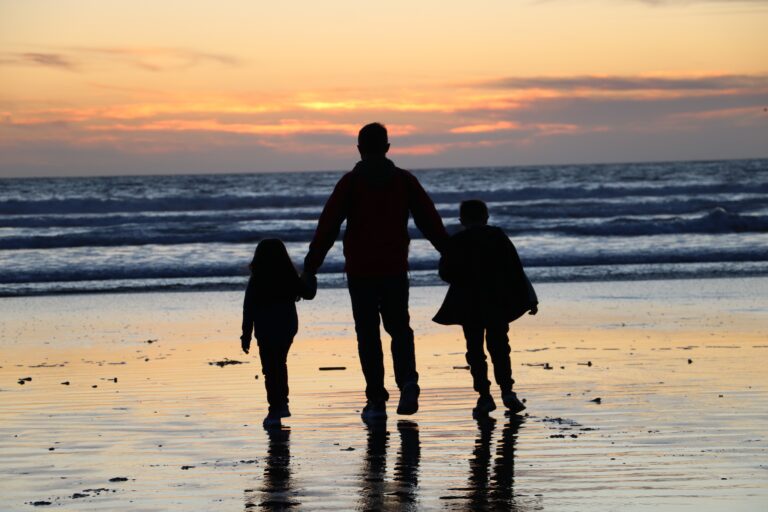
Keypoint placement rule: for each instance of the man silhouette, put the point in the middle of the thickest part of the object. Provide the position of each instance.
(376, 199)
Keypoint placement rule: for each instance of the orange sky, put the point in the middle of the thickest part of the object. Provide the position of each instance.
(127, 87)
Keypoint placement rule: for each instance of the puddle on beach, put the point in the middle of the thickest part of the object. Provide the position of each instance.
(143, 425)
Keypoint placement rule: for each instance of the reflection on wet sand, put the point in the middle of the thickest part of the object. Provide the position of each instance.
(486, 491)
(375, 492)
(276, 490)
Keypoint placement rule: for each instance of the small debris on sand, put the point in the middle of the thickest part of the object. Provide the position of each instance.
(225, 362)
(187, 467)
(332, 368)
(40, 503)
(79, 495)
(24, 380)
(256, 377)
(349, 449)
(119, 479)
(150, 341)
(547, 366)
(690, 361)
(461, 367)
(65, 383)
(588, 363)
(597, 400)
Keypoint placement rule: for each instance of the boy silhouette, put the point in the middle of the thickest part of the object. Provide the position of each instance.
(488, 290)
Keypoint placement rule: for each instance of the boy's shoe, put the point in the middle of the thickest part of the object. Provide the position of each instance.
(409, 399)
(513, 403)
(374, 411)
(485, 404)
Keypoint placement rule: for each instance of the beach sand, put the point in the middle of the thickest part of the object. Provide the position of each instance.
(146, 422)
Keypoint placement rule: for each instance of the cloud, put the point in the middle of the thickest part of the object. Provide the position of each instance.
(49, 60)
(575, 118)
(152, 59)
(663, 3)
(486, 127)
(159, 59)
(631, 83)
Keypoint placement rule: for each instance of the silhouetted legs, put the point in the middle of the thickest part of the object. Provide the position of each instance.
(384, 298)
(274, 353)
(496, 339)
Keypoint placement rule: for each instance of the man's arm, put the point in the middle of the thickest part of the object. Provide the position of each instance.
(425, 214)
(334, 213)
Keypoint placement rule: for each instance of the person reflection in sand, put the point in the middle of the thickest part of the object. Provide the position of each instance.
(375, 492)
(374, 467)
(407, 465)
(276, 490)
(496, 491)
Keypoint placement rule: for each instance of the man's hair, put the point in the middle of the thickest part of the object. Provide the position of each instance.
(473, 210)
(373, 138)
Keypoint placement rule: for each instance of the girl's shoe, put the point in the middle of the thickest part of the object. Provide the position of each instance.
(271, 420)
(485, 404)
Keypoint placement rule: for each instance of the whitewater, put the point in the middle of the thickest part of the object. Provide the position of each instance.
(674, 220)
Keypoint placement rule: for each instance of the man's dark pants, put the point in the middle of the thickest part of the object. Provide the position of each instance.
(498, 347)
(385, 298)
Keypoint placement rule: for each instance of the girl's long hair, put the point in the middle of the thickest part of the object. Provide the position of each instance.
(272, 271)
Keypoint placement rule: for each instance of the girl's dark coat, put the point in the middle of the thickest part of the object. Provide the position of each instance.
(270, 312)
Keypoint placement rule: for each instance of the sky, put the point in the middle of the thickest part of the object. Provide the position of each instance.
(109, 87)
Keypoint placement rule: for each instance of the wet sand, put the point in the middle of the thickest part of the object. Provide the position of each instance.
(146, 422)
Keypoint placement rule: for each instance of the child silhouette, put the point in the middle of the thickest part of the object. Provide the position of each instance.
(488, 290)
(269, 312)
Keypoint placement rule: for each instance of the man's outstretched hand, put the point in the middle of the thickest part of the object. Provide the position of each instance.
(534, 310)
(245, 343)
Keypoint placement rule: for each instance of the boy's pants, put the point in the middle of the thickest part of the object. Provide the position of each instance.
(385, 298)
(498, 347)
(273, 353)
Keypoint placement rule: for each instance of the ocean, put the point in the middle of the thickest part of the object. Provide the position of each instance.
(641, 221)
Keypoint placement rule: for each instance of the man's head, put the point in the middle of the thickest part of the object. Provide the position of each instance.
(473, 212)
(372, 141)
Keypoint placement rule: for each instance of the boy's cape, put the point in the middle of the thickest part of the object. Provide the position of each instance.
(492, 290)
(454, 311)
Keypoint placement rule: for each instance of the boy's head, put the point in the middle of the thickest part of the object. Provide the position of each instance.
(473, 212)
(372, 141)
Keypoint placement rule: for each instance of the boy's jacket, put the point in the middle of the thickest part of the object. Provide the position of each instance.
(487, 281)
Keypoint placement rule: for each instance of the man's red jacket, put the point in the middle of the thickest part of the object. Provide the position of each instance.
(376, 199)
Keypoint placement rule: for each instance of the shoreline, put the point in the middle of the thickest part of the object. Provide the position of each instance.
(335, 281)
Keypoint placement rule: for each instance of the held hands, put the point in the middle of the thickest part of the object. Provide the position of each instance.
(245, 343)
(534, 310)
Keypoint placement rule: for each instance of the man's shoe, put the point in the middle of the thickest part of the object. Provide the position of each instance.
(374, 411)
(513, 403)
(485, 404)
(409, 399)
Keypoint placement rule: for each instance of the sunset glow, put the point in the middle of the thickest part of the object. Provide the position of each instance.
(93, 88)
